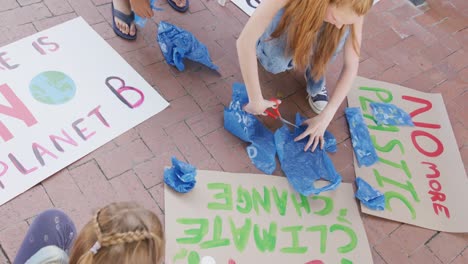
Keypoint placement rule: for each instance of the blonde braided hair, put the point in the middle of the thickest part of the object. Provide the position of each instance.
(127, 237)
(126, 233)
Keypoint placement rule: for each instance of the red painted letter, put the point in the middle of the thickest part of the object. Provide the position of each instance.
(436, 152)
(427, 107)
(40, 42)
(118, 91)
(439, 207)
(17, 110)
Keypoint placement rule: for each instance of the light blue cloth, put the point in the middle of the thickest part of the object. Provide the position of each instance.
(369, 196)
(360, 138)
(271, 52)
(390, 114)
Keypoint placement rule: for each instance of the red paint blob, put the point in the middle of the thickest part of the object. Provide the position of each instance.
(315, 262)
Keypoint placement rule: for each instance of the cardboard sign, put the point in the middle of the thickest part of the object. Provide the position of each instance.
(249, 218)
(63, 93)
(419, 169)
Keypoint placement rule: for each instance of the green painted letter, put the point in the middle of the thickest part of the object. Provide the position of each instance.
(409, 186)
(257, 199)
(241, 235)
(217, 241)
(323, 236)
(304, 203)
(403, 166)
(267, 240)
(197, 234)
(295, 248)
(389, 146)
(328, 208)
(352, 236)
(226, 195)
(243, 196)
(391, 194)
(378, 127)
(280, 202)
(193, 258)
(380, 92)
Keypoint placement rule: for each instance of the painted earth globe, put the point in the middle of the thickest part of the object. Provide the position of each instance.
(52, 87)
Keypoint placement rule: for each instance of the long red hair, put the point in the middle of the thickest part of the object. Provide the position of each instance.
(307, 43)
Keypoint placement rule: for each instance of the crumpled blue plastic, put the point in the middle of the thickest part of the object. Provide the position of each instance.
(303, 168)
(177, 44)
(141, 21)
(360, 138)
(247, 127)
(181, 176)
(390, 114)
(370, 197)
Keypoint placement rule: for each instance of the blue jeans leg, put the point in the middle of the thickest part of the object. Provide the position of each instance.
(51, 227)
(271, 53)
(318, 87)
(314, 87)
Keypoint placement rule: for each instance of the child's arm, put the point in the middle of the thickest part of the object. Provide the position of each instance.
(246, 51)
(318, 125)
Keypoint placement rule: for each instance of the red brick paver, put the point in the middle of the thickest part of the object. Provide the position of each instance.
(423, 48)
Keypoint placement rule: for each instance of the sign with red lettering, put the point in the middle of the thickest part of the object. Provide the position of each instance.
(250, 218)
(419, 168)
(64, 92)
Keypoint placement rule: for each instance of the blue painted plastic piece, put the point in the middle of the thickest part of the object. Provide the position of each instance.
(303, 168)
(177, 44)
(370, 197)
(390, 114)
(360, 138)
(181, 176)
(247, 127)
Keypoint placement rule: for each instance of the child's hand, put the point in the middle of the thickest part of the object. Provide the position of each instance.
(258, 107)
(316, 127)
(142, 8)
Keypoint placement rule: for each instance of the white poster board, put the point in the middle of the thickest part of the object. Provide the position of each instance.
(248, 6)
(63, 93)
(251, 218)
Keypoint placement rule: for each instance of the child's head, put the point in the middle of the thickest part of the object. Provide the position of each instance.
(303, 22)
(120, 233)
(346, 12)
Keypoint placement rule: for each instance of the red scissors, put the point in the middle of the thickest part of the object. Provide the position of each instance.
(275, 114)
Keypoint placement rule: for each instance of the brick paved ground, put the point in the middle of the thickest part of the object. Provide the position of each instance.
(422, 48)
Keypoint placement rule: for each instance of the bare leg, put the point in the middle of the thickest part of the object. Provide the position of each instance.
(124, 7)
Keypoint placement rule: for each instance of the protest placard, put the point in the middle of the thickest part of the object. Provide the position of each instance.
(63, 93)
(419, 168)
(250, 218)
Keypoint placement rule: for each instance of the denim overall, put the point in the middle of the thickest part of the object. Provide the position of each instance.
(271, 54)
